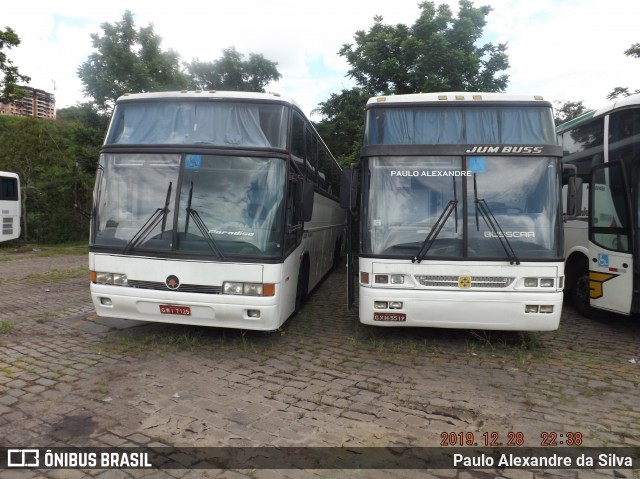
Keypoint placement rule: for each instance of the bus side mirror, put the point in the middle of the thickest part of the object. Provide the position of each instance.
(308, 192)
(348, 189)
(574, 198)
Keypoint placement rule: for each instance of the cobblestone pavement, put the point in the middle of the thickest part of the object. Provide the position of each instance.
(69, 378)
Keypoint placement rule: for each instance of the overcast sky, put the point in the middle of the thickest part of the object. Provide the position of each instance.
(565, 50)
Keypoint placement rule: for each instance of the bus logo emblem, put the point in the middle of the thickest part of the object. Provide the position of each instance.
(172, 282)
(464, 282)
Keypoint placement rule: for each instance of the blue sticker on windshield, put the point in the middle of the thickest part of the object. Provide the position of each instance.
(477, 164)
(192, 162)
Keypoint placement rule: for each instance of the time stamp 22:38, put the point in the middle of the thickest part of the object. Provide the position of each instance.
(511, 439)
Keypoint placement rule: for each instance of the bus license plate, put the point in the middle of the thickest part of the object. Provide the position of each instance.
(398, 317)
(176, 310)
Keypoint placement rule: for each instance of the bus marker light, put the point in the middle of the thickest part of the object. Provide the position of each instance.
(106, 302)
(269, 289)
(364, 278)
(531, 308)
(253, 313)
(395, 305)
(547, 308)
(380, 304)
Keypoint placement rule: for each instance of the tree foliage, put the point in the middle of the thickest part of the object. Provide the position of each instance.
(343, 124)
(128, 60)
(232, 72)
(568, 110)
(56, 164)
(439, 52)
(619, 91)
(10, 76)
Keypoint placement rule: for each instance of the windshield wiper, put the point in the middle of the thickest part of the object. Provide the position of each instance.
(191, 213)
(490, 220)
(439, 224)
(150, 224)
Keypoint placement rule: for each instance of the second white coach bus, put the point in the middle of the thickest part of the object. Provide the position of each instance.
(10, 206)
(212, 209)
(460, 213)
(601, 245)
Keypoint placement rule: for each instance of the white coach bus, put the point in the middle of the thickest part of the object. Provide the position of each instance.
(213, 209)
(10, 206)
(601, 245)
(460, 212)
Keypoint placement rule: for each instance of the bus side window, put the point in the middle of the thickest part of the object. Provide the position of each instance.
(297, 137)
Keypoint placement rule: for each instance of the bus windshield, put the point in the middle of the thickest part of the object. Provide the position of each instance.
(214, 123)
(203, 204)
(406, 196)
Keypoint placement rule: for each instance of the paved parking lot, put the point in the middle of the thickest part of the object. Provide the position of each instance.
(69, 378)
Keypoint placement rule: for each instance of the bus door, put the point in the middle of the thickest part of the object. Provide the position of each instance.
(611, 239)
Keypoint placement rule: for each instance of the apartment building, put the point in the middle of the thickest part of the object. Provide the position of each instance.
(38, 103)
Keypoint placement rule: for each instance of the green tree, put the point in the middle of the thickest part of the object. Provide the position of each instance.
(128, 60)
(437, 53)
(56, 162)
(9, 89)
(84, 128)
(343, 123)
(232, 72)
(567, 110)
(632, 51)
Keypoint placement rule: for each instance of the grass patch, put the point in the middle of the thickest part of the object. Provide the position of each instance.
(6, 327)
(15, 250)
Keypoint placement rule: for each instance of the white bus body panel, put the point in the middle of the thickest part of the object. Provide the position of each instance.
(490, 309)
(220, 310)
(10, 213)
(610, 279)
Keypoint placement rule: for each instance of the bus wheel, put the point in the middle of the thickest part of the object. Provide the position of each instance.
(580, 295)
(303, 284)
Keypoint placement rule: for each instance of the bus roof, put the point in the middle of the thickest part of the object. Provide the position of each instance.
(616, 104)
(452, 97)
(209, 94)
(8, 174)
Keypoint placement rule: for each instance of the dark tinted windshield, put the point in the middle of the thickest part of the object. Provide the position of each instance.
(462, 125)
(231, 124)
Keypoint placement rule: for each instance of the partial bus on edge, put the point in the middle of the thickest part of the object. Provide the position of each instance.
(460, 213)
(601, 245)
(10, 206)
(212, 209)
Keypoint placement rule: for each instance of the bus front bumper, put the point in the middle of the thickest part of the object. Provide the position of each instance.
(239, 312)
(506, 311)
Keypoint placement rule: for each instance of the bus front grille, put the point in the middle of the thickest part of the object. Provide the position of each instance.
(464, 281)
(183, 288)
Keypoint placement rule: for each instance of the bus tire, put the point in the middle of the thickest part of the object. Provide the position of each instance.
(580, 295)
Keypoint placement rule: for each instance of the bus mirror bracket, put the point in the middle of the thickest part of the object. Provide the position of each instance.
(574, 193)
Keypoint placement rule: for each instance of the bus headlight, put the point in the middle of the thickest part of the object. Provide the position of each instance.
(248, 289)
(539, 282)
(102, 277)
(384, 279)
